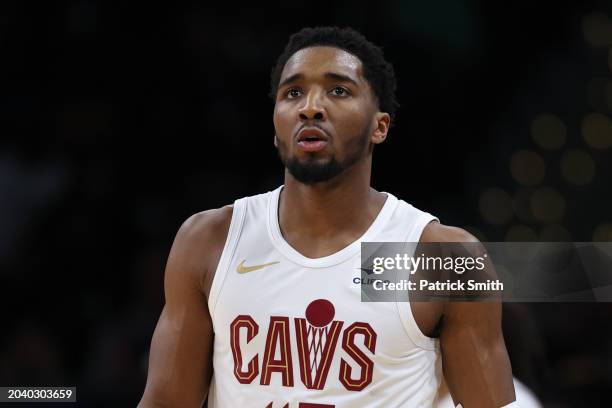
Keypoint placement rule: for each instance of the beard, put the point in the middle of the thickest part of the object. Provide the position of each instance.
(314, 170)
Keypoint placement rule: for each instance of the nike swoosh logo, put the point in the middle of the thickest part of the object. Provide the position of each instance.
(241, 268)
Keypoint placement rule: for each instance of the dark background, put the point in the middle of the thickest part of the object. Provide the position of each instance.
(118, 121)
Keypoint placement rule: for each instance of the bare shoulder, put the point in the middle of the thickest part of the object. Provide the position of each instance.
(461, 243)
(200, 241)
(436, 232)
(456, 242)
(207, 226)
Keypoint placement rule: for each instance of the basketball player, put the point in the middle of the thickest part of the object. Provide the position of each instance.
(262, 297)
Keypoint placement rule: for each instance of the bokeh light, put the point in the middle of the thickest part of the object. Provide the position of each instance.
(578, 167)
(547, 205)
(597, 29)
(527, 168)
(548, 131)
(597, 130)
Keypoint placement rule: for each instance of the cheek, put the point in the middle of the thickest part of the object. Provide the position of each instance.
(282, 120)
(351, 122)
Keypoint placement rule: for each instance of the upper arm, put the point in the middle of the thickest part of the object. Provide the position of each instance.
(474, 357)
(180, 360)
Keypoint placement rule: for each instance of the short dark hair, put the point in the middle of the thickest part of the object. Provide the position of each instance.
(376, 70)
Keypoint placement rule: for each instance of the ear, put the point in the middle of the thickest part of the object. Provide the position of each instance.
(382, 121)
(275, 141)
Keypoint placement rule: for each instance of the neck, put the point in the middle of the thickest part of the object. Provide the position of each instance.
(333, 213)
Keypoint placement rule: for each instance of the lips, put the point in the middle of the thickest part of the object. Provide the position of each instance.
(312, 139)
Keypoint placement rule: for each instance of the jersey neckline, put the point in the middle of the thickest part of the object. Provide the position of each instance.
(337, 257)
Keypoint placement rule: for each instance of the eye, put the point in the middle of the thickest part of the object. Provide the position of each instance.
(293, 93)
(340, 91)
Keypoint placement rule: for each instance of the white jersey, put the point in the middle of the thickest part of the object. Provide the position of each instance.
(292, 331)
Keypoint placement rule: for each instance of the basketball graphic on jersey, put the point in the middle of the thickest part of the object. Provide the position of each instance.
(317, 337)
(320, 312)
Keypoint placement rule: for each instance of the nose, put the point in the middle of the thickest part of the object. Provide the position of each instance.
(313, 107)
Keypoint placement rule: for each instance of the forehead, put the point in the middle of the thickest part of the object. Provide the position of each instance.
(317, 60)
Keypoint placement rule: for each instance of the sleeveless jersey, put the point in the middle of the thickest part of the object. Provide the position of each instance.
(292, 331)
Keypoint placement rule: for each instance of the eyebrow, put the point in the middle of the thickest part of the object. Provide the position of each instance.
(328, 75)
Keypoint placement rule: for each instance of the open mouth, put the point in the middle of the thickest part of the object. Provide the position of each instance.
(312, 139)
(312, 134)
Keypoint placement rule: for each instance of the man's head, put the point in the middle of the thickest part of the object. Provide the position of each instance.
(334, 99)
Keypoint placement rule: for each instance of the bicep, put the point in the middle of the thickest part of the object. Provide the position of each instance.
(180, 364)
(179, 360)
(475, 361)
